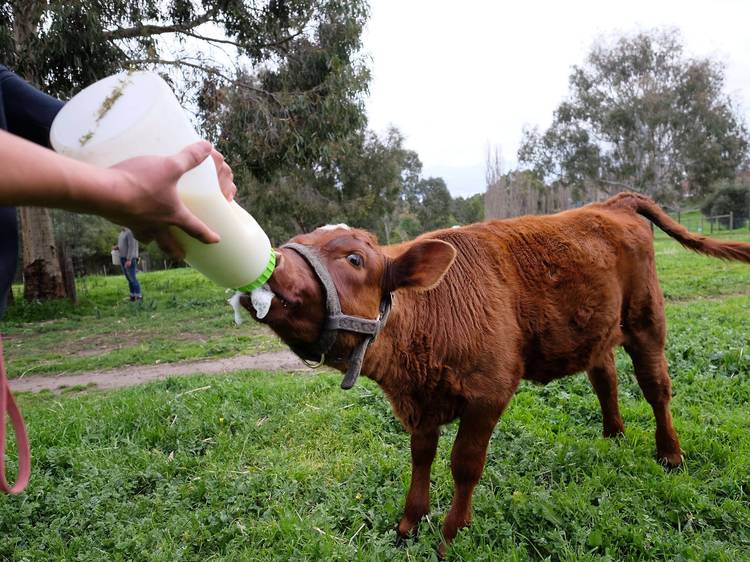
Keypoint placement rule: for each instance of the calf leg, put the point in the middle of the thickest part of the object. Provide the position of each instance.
(603, 377)
(423, 447)
(467, 463)
(653, 377)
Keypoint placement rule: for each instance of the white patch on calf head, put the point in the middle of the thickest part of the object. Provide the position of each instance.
(234, 302)
(334, 226)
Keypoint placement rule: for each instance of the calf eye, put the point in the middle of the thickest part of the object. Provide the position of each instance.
(355, 259)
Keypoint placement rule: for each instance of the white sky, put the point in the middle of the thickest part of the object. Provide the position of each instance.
(458, 77)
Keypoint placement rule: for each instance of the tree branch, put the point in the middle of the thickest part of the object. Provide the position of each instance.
(149, 30)
(215, 72)
(208, 70)
(273, 44)
(186, 29)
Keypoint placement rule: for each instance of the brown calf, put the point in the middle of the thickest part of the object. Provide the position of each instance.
(476, 309)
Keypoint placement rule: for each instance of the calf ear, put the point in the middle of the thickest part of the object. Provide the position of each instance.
(421, 266)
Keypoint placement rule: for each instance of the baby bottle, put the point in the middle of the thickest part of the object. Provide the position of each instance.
(135, 114)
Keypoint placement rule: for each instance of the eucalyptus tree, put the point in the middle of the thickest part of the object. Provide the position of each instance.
(295, 65)
(643, 115)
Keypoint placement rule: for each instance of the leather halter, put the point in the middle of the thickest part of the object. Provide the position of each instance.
(336, 320)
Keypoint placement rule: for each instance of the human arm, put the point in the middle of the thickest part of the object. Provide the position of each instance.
(140, 193)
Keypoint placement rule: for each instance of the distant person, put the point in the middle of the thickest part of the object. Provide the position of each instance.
(128, 247)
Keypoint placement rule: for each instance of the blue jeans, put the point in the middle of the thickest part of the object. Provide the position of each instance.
(135, 287)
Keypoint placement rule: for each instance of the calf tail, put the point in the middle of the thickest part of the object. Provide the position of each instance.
(724, 249)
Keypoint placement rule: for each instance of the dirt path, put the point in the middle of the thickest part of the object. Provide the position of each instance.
(139, 374)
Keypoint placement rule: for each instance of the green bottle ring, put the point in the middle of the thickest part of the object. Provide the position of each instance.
(263, 276)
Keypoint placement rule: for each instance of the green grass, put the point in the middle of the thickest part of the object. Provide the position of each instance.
(686, 275)
(257, 466)
(184, 316)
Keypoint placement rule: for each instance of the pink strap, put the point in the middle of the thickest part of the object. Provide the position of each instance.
(7, 404)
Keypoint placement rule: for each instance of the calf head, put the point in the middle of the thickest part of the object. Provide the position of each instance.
(364, 275)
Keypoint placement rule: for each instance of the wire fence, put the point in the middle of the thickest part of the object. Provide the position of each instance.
(715, 225)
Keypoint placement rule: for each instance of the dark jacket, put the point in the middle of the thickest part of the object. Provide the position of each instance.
(28, 113)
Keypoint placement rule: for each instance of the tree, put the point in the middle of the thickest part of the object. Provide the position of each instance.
(729, 197)
(468, 210)
(359, 183)
(434, 207)
(299, 74)
(641, 115)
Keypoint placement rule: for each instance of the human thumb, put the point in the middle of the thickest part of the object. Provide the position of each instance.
(192, 155)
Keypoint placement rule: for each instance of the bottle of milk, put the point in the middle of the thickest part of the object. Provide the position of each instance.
(135, 114)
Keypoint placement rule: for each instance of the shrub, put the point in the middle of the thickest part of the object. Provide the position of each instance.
(729, 197)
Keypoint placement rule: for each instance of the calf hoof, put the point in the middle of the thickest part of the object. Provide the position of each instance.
(404, 533)
(612, 433)
(442, 547)
(400, 540)
(670, 461)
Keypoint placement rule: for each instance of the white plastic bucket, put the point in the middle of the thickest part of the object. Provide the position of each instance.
(115, 257)
(135, 114)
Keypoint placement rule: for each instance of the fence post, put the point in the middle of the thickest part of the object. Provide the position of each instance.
(731, 220)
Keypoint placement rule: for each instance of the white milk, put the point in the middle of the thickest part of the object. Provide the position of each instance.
(136, 113)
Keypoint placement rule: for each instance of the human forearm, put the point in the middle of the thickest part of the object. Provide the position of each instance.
(140, 193)
(38, 177)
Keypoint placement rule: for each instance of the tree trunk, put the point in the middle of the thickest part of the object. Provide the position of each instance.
(68, 273)
(41, 268)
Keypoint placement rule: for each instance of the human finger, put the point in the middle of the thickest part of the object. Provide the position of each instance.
(192, 155)
(195, 227)
(228, 189)
(218, 159)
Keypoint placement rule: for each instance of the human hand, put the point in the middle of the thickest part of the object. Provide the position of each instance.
(146, 201)
(225, 175)
(128, 263)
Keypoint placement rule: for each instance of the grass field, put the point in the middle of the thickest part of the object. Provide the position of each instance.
(184, 316)
(257, 466)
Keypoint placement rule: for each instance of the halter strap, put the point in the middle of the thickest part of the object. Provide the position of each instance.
(336, 320)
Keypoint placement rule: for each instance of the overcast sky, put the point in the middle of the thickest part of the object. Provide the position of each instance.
(457, 77)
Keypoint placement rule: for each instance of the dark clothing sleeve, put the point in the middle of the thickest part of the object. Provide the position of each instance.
(24, 110)
(28, 113)
(8, 252)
